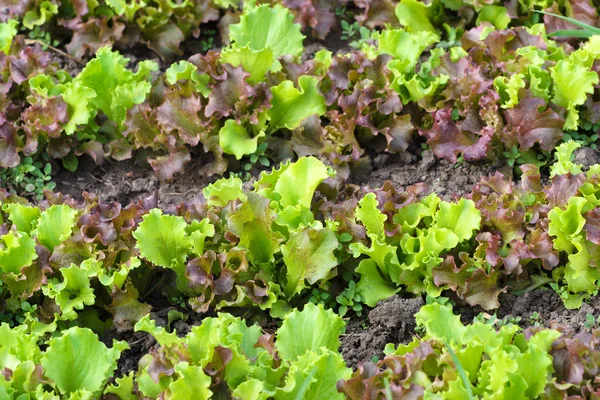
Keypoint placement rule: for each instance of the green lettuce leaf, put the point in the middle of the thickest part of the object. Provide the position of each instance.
(17, 250)
(416, 16)
(38, 16)
(223, 191)
(22, 216)
(573, 83)
(251, 222)
(314, 376)
(256, 62)
(268, 27)
(308, 255)
(55, 225)
(372, 286)
(497, 15)
(77, 360)
(192, 383)
(234, 139)
(307, 331)
(8, 30)
(163, 240)
(75, 290)
(291, 106)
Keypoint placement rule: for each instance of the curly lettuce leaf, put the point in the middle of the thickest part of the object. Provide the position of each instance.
(8, 30)
(223, 191)
(78, 361)
(314, 376)
(163, 240)
(308, 255)
(39, 15)
(416, 16)
(75, 290)
(17, 250)
(192, 383)
(291, 106)
(564, 164)
(573, 82)
(251, 222)
(234, 139)
(307, 331)
(256, 62)
(55, 225)
(22, 216)
(268, 27)
(186, 71)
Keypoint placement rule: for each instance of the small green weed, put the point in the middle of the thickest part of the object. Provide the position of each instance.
(28, 179)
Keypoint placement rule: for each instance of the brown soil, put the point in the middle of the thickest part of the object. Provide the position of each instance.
(392, 321)
(444, 178)
(126, 181)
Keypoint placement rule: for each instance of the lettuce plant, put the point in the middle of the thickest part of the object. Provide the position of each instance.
(74, 364)
(452, 360)
(300, 361)
(573, 227)
(428, 229)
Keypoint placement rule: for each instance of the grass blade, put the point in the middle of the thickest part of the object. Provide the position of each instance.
(580, 24)
(576, 33)
(461, 372)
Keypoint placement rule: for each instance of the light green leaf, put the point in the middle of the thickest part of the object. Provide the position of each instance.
(78, 98)
(291, 106)
(8, 30)
(508, 89)
(77, 360)
(17, 250)
(371, 217)
(415, 16)
(117, 89)
(441, 323)
(164, 338)
(123, 387)
(22, 216)
(372, 286)
(74, 292)
(462, 218)
(185, 70)
(563, 164)
(223, 191)
(308, 255)
(39, 15)
(405, 47)
(268, 27)
(198, 232)
(192, 383)
(251, 222)
(162, 239)
(234, 139)
(256, 63)
(55, 225)
(296, 185)
(497, 15)
(307, 331)
(573, 83)
(127, 8)
(314, 376)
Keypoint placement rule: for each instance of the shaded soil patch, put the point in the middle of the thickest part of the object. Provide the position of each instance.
(126, 181)
(444, 178)
(392, 321)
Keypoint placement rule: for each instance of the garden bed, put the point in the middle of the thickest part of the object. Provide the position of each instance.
(299, 199)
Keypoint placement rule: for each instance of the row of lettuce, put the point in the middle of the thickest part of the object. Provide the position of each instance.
(476, 94)
(266, 249)
(163, 25)
(225, 358)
